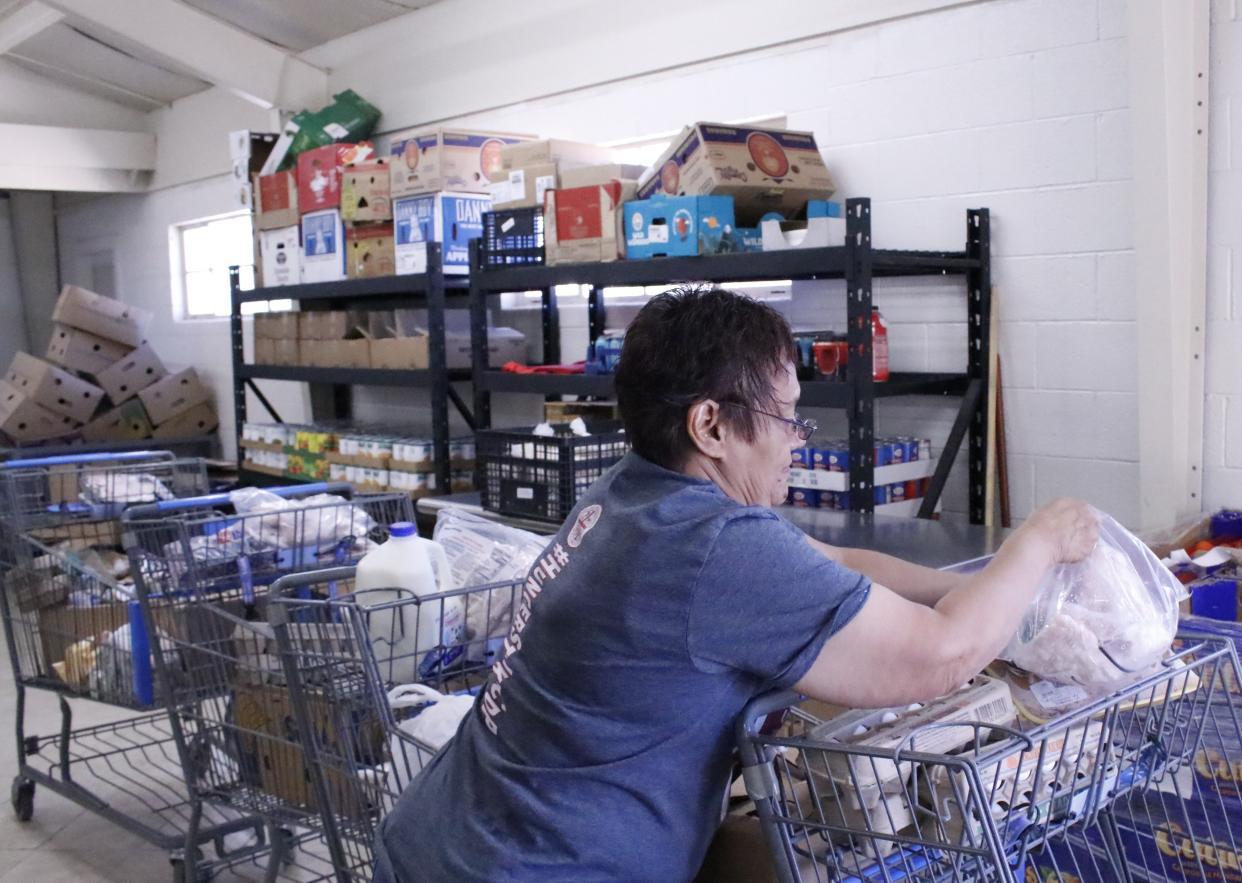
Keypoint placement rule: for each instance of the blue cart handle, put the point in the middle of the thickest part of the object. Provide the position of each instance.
(291, 490)
(76, 459)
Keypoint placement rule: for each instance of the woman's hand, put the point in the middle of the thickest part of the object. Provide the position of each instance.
(1068, 528)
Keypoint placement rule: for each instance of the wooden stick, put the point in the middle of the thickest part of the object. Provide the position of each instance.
(989, 491)
(1002, 455)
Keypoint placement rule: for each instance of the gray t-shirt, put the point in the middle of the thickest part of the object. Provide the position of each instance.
(600, 747)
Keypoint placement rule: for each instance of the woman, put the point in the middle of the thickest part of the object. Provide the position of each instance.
(601, 744)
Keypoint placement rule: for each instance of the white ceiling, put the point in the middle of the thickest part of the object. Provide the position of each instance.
(82, 56)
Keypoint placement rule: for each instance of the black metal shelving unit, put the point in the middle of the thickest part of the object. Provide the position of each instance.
(333, 386)
(856, 262)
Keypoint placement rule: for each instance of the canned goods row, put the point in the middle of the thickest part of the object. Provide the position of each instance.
(833, 455)
(808, 498)
(355, 443)
(269, 459)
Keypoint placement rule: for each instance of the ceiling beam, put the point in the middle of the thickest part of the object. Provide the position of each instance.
(94, 160)
(24, 22)
(211, 49)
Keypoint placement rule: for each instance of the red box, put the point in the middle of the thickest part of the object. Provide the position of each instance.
(583, 224)
(319, 173)
(276, 200)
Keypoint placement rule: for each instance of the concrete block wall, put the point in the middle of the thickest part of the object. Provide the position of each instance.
(1017, 105)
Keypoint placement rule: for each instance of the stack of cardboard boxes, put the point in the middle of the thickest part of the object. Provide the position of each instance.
(101, 381)
(392, 339)
(580, 191)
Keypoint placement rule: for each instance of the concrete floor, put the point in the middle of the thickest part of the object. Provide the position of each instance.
(64, 843)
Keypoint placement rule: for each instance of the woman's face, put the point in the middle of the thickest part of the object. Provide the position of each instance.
(762, 467)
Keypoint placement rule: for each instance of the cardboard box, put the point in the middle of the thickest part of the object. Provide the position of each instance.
(369, 251)
(323, 247)
(173, 395)
(276, 200)
(23, 419)
(319, 173)
(563, 154)
(199, 420)
(129, 376)
(811, 233)
(668, 226)
(365, 189)
(400, 352)
(248, 151)
(125, 423)
(762, 169)
(286, 352)
(280, 257)
(600, 174)
(102, 316)
(58, 391)
(452, 219)
(346, 353)
(584, 224)
(446, 159)
(276, 326)
(264, 351)
(524, 187)
(503, 345)
(328, 324)
(82, 351)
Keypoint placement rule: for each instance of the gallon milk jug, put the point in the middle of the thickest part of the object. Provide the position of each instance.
(412, 640)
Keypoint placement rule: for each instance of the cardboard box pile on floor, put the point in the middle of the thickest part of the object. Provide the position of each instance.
(101, 381)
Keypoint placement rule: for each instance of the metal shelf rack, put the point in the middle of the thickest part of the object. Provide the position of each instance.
(856, 262)
(331, 390)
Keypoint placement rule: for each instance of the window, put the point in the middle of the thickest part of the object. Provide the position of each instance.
(202, 252)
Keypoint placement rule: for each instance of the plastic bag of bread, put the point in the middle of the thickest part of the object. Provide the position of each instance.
(1103, 621)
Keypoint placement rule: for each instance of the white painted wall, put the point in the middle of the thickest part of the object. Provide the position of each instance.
(1222, 432)
(13, 332)
(1018, 105)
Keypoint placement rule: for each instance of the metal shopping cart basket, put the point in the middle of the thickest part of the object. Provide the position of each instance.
(204, 569)
(1121, 789)
(74, 628)
(347, 656)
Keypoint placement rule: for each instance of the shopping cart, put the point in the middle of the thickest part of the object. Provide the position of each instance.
(204, 571)
(1118, 790)
(347, 657)
(74, 628)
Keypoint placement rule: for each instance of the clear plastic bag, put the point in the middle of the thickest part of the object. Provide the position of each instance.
(327, 519)
(1101, 622)
(481, 552)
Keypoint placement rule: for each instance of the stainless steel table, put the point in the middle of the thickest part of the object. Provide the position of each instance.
(931, 543)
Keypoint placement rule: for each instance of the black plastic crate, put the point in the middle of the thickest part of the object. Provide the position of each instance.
(542, 477)
(512, 238)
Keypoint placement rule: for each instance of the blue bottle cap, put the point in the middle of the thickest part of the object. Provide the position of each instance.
(403, 529)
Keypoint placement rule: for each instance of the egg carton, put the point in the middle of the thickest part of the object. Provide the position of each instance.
(864, 776)
(1048, 782)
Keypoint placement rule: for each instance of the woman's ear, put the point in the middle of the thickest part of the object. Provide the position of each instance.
(706, 431)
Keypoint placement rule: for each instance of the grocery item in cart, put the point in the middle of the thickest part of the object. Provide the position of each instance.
(919, 727)
(417, 640)
(1102, 621)
(123, 487)
(434, 722)
(318, 519)
(481, 552)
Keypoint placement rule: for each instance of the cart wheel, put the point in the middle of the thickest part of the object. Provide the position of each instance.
(183, 874)
(22, 793)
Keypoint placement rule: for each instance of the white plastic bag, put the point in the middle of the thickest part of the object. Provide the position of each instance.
(1103, 621)
(481, 552)
(430, 730)
(318, 520)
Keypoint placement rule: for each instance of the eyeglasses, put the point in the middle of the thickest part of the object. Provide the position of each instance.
(804, 428)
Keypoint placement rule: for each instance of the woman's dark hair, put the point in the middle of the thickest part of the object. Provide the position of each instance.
(691, 344)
